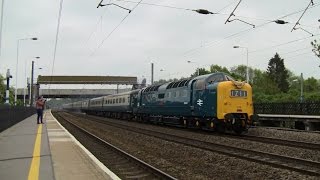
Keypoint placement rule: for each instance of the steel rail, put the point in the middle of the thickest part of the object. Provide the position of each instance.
(286, 129)
(275, 141)
(295, 164)
(156, 173)
(282, 142)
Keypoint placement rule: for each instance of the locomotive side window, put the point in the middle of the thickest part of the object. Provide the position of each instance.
(160, 96)
(154, 97)
(184, 93)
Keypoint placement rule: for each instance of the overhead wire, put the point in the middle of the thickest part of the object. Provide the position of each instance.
(297, 50)
(240, 32)
(218, 12)
(56, 42)
(114, 29)
(298, 22)
(290, 58)
(228, 5)
(243, 31)
(99, 21)
(282, 44)
(158, 5)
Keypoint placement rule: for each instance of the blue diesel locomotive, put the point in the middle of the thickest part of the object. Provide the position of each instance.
(213, 101)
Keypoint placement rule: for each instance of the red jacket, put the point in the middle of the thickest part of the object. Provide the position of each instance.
(40, 104)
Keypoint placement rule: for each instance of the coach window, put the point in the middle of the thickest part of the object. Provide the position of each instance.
(123, 100)
(113, 101)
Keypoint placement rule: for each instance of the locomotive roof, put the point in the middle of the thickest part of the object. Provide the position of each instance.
(181, 83)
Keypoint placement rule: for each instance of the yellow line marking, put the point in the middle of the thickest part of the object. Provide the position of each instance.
(35, 164)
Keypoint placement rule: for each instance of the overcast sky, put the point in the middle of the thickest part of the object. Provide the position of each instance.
(168, 37)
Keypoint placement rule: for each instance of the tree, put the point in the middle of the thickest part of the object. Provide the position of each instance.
(216, 68)
(311, 85)
(278, 73)
(3, 92)
(201, 71)
(316, 48)
(2, 89)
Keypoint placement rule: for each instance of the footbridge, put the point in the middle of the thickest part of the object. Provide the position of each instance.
(73, 93)
(36, 90)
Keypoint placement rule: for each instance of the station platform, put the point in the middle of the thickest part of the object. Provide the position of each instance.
(46, 151)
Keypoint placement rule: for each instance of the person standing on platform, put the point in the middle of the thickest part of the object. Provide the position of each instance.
(40, 107)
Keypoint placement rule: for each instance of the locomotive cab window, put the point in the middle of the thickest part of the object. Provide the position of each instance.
(200, 84)
(216, 78)
(229, 78)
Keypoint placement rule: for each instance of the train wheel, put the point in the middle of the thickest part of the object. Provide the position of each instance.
(185, 123)
(237, 126)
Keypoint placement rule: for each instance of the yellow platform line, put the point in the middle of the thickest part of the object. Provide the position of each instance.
(35, 164)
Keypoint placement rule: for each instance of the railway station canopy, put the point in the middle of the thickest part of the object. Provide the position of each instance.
(128, 80)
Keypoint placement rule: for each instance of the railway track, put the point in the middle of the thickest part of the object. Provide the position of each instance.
(288, 143)
(121, 163)
(295, 144)
(286, 129)
(295, 164)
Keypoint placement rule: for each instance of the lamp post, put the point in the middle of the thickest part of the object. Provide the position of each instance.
(247, 69)
(301, 87)
(9, 76)
(24, 89)
(18, 43)
(197, 68)
(31, 86)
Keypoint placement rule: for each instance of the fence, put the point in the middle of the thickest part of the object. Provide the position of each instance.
(9, 116)
(305, 108)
